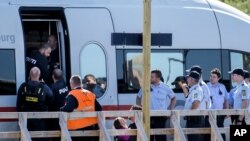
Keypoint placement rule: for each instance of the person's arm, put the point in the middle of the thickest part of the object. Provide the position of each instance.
(98, 106)
(184, 87)
(19, 99)
(245, 98)
(71, 104)
(138, 98)
(172, 103)
(49, 95)
(195, 104)
(226, 102)
(172, 96)
(207, 96)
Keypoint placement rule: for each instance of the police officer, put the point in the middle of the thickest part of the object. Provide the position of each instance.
(81, 100)
(194, 100)
(60, 91)
(241, 95)
(219, 97)
(203, 85)
(159, 96)
(34, 96)
(38, 58)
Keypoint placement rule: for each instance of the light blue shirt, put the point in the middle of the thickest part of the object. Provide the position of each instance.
(241, 93)
(159, 96)
(218, 95)
(195, 94)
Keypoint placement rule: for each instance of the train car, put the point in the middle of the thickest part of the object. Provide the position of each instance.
(104, 37)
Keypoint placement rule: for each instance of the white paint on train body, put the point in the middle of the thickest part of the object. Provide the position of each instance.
(195, 25)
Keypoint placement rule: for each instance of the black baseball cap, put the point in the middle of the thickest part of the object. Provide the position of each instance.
(178, 79)
(246, 75)
(194, 75)
(237, 71)
(196, 68)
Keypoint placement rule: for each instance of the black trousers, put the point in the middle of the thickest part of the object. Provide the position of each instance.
(37, 125)
(158, 122)
(220, 123)
(53, 125)
(93, 127)
(195, 122)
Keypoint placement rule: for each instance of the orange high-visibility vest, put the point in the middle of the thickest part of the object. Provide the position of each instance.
(86, 103)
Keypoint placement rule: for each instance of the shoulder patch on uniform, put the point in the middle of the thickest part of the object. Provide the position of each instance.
(244, 93)
(195, 95)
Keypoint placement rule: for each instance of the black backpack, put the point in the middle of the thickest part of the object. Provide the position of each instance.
(34, 98)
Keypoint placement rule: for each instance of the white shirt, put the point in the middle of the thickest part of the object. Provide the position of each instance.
(241, 93)
(218, 95)
(195, 94)
(159, 96)
(206, 93)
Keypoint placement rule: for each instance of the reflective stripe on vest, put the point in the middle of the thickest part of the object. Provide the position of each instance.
(86, 103)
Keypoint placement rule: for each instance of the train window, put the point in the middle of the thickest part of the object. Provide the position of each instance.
(129, 68)
(7, 72)
(236, 60)
(207, 59)
(93, 61)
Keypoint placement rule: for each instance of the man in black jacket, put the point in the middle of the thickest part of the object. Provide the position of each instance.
(34, 96)
(38, 58)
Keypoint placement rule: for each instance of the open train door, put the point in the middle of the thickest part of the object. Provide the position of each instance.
(91, 51)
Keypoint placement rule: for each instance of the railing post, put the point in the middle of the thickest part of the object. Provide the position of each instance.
(65, 136)
(140, 130)
(138, 116)
(25, 136)
(178, 132)
(215, 133)
(247, 117)
(103, 131)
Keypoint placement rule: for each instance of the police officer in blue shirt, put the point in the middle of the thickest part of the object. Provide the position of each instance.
(219, 97)
(158, 101)
(241, 95)
(194, 98)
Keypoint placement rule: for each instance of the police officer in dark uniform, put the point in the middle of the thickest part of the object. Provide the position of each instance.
(34, 96)
(38, 58)
(60, 91)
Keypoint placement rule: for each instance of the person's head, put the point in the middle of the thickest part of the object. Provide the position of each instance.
(196, 68)
(156, 76)
(215, 75)
(89, 81)
(178, 80)
(57, 75)
(52, 41)
(75, 81)
(246, 76)
(134, 108)
(45, 50)
(237, 75)
(35, 74)
(120, 123)
(193, 78)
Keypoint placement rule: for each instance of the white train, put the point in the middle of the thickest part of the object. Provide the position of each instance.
(104, 38)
